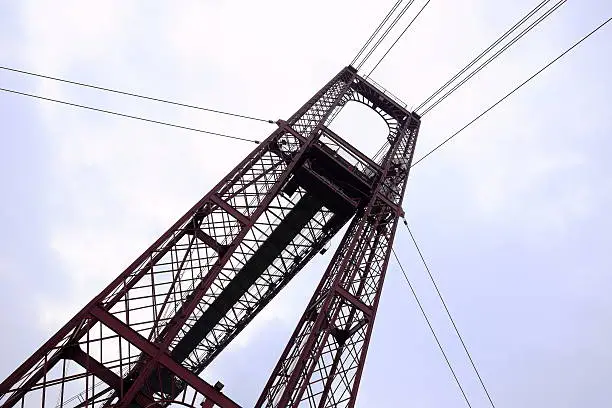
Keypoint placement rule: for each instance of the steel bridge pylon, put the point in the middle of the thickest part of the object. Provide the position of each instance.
(145, 338)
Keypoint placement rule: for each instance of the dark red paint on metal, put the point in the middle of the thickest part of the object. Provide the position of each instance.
(145, 338)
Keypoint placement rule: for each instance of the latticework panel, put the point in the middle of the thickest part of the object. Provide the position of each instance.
(321, 366)
(146, 336)
(142, 341)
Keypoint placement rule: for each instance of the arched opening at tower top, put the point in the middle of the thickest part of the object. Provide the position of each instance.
(362, 127)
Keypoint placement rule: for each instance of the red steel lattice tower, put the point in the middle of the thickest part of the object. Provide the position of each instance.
(145, 338)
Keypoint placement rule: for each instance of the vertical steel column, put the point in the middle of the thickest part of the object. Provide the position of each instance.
(321, 365)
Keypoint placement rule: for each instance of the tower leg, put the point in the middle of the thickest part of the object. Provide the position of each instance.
(321, 365)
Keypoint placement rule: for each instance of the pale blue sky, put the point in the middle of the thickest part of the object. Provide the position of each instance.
(513, 215)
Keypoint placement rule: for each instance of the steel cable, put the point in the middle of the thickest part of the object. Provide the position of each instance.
(433, 332)
(448, 313)
(101, 88)
(493, 57)
(395, 6)
(483, 53)
(384, 35)
(128, 116)
(511, 92)
(398, 38)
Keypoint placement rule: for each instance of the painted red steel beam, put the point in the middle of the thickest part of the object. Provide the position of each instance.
(188, 308)
(113, 305)
(336, 138)
(337, 301)
(128, 332)
(159, 355)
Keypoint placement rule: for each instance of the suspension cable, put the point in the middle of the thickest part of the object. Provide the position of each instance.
(433, 332)
(101, 88)
(448, 313)
(384, 35)
(395, 6)
(483, 113)
(494, 56)
(128, 116)
(398, 38)
(483, 53)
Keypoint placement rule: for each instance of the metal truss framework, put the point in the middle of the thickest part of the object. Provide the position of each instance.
(145, 338)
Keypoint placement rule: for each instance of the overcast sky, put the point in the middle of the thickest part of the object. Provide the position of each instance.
(513, 215)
